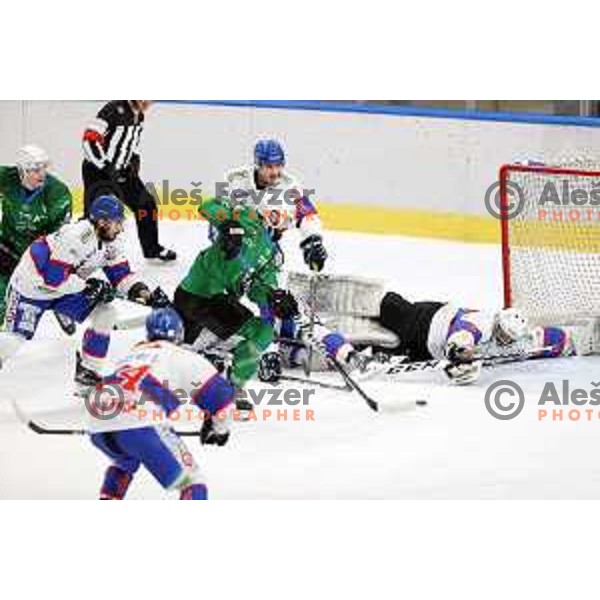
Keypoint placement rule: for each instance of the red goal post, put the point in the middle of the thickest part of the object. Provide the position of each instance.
(551, 249)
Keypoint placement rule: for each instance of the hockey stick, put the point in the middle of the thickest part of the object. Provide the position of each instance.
(41, 430)
(323, 384)
(438, 364)
(351, 384)
(312, 295)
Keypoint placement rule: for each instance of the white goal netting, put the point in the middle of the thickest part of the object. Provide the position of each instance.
(551, 243)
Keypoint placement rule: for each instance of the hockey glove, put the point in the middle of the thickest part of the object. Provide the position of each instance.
(284, 304)
(66, 323)
(159, 299)
(462, 353)
(464, 373)
(461, 347)
(99, 291)
(270, 367)
(215, 432)
(139, 293)
(231, 236)
(315, 254)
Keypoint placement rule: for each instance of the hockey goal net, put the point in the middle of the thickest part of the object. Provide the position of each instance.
(550, 218)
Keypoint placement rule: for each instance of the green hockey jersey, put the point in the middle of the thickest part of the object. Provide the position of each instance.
(26, 216)
(253, 273)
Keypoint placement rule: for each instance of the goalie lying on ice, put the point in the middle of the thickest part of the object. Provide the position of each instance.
(421, 331)
(438, 330)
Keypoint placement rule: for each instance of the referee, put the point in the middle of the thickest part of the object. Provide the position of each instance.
(111, 165)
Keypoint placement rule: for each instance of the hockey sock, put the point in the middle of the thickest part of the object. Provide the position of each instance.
(94, 348)
(196, 491)
(116, 483)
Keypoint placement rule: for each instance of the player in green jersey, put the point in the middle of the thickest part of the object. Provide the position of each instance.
(34, 203)
(243, 261)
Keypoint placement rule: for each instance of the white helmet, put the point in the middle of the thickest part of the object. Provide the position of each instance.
(31, 157)
(510, 326)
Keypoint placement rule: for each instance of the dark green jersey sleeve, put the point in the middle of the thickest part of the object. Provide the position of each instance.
(263, 285)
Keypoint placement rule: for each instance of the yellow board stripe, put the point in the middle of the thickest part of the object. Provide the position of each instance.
(573, 237)
(416, 223)
(377, 219)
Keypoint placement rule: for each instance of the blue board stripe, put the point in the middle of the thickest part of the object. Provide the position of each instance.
(402, 111)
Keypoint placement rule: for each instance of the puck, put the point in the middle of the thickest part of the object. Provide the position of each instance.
(421, 402)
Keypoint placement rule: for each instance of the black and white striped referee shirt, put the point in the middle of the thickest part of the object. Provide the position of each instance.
(113, 137)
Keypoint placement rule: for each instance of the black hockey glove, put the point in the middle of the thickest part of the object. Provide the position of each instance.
(99, 291)
(159, 299)
(284, 304)
(215, 433)
(66, 323)
(139, 292)
(315, 254)
(270, 367)
(231, 237)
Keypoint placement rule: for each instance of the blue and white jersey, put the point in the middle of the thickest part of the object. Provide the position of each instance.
(286, 201)
(451, 320)
(477, 327)
(152, 381)
(59, 263)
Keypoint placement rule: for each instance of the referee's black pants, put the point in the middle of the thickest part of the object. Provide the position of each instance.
(130, 189)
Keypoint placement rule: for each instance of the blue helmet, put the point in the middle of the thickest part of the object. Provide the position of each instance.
(164, 324)
(107, 207)
(268, 152)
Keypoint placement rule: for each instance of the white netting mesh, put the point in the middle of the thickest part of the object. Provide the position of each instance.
(554, 248)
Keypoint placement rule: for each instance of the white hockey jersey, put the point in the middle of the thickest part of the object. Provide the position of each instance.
(59, 263)
(449, 320)
(287, 204)
(150, 383)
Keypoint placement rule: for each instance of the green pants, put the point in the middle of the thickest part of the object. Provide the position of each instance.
(225, 316)
(257, 336)
(3, 285)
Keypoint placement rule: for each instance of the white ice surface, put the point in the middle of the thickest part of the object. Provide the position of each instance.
(451, 448)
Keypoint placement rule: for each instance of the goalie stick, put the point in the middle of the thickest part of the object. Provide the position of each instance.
(403, 365)
(439, 364)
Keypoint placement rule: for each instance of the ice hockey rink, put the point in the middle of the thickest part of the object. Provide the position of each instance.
(450, 448)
